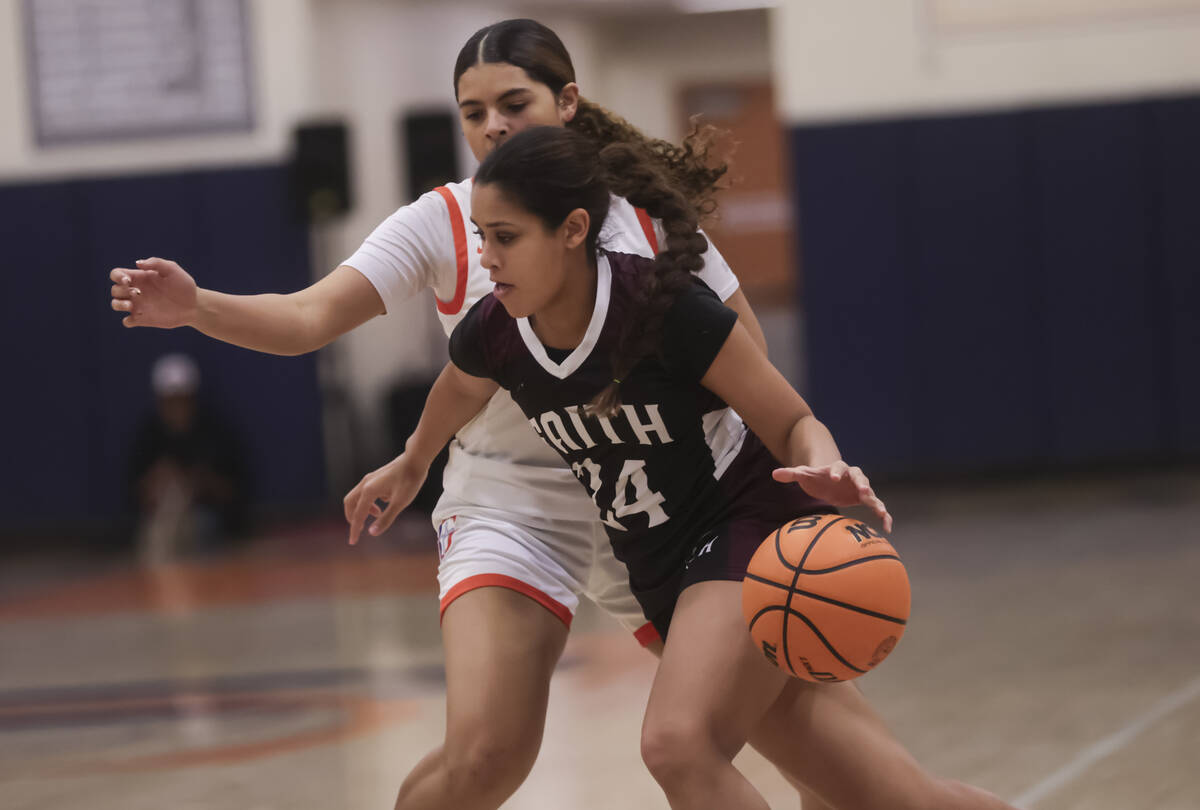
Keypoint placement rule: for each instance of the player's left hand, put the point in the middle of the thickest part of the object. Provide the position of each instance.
(395, 483)
(838, 484)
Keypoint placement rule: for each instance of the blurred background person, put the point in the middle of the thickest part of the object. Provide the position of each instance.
(188, 474)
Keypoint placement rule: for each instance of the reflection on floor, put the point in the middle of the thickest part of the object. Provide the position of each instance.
(1053, 656)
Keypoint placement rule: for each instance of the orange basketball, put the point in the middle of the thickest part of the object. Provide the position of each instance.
(826, 598)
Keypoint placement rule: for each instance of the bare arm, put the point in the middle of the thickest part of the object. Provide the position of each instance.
(743, 377)
(738, 303)
(455, 400)
(160, 293)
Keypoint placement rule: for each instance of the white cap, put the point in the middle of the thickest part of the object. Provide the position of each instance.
(174, 374)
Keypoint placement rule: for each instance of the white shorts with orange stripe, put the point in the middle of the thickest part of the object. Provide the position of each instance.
(553, 562)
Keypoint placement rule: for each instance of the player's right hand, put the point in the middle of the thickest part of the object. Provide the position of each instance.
(395, 483)
(158, 292)
(837, 484)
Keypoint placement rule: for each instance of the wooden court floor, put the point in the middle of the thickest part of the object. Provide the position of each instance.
(1053, 656)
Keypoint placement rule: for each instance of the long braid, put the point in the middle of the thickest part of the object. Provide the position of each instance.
(630, 173)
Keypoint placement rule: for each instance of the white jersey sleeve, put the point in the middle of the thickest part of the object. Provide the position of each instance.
(629, 229)
(717, 273)
(411, 250)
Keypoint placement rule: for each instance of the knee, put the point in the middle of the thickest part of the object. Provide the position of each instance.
(489, 766)
(676, 752)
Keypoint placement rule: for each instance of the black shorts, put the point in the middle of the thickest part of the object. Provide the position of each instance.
(758, 506)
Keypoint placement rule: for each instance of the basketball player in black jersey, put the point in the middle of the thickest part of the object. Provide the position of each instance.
(628, 368)
(684, 490)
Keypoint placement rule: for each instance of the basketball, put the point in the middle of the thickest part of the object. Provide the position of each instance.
(826, 598)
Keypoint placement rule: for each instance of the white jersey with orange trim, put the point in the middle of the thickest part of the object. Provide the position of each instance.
(496, 461)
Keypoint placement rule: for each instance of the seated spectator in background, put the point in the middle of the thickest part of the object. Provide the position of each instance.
(189, 474)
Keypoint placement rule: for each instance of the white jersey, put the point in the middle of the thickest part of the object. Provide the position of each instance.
(496, 461)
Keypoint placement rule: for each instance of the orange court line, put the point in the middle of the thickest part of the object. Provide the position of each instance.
(362, 715)
(184, 587)
(278, 697)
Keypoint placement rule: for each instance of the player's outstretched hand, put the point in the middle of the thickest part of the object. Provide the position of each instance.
(395, 483)
(158, 292)
(838, 484)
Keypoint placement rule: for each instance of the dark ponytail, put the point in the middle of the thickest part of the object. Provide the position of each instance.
(551, 171)
(524, 43)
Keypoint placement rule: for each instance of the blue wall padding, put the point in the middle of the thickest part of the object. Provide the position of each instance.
(44, 318)
(855, 361)
(78, 381)
(973, 344)
(1176, 144)
(1093, 206)
(1006, 290)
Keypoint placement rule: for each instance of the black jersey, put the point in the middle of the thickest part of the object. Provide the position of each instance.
(655, 470)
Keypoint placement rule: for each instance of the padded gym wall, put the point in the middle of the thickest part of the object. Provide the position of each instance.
(78, 381)
(1005, 290)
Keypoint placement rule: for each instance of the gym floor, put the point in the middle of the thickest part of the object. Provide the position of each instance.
(1052, 656)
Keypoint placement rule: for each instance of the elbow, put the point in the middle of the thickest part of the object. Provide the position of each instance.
(312, 332)
(298, 340)
(296, 351)
(307, 344)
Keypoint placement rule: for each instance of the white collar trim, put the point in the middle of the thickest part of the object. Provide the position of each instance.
(581, 352)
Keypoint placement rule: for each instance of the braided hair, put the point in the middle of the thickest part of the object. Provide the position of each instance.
(552, 171)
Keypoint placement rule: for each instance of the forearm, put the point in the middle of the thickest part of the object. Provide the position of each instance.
(809, 443)
(272, 323)
(295, 323)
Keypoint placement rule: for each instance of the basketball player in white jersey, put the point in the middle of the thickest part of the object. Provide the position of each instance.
(518, 543)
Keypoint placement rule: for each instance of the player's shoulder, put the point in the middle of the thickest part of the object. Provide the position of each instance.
(450, 197)
(627, 268)
(491, 310)
(435, 212)
(624, 264)
(621, 208)
(627, 230)
(488, 318)
(440, 216)
(489, 330)
(461, 190)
